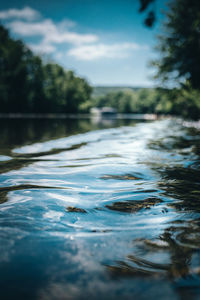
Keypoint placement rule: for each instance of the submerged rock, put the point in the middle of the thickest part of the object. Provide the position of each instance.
(75, 209)
(132, 206)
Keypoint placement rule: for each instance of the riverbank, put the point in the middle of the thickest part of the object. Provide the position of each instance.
(79, 116)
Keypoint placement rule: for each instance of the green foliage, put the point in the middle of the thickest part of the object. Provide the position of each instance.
(29, 85)
(130, 101)
(179, 44)
(13, 72)
(180, 102)
(103, 90)
(184, 102)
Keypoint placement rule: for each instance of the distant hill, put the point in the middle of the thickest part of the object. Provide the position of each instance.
(103, 90)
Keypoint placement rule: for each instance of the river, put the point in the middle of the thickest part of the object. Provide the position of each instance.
(94, 209)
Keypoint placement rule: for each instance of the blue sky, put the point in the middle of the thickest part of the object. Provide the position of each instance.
(103, 41)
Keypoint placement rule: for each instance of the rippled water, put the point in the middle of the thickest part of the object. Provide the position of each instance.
(107, 210)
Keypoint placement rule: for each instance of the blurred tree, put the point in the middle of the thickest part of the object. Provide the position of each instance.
(29, 85)
(150, 17)
(179, 45)
(54, 76)
(76, 92)
(35, 94)
(13, 73)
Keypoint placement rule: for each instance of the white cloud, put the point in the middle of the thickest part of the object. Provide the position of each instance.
(59, 55)
(72, 37)
(66, 23)
(27, 13)
(42, 47)
(25, 23)
(30, 29)
(96, 51)
(50, 32)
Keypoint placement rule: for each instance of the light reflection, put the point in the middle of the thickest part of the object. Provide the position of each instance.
(53, 215)
(67, 199)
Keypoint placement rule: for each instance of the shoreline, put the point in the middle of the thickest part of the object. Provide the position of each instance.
(77, 116)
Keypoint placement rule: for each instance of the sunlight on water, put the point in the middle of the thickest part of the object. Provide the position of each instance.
(108, 210)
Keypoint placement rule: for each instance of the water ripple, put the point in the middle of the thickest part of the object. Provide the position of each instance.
(105, 204)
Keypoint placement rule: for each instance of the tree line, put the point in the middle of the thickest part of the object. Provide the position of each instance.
(177, 102)
(27, 84)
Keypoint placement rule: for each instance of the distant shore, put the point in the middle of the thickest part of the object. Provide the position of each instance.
(76, 116)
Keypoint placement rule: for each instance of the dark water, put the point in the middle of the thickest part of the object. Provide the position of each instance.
(106, 210)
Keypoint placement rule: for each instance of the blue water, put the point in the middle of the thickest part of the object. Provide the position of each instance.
(99, 210)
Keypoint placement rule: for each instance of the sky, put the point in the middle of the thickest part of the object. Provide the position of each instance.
(104, 41)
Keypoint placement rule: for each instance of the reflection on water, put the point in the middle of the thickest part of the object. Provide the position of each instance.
(99, 210)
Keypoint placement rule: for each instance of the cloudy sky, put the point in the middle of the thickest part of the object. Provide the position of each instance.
(105, 41)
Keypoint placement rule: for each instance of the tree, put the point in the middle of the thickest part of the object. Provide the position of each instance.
(76, 91)
(179, 45)
(29, 85)
(13, 73)
(35, 93)
(150, 17)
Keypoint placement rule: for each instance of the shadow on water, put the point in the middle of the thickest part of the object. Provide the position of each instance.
(134, 206)
(5, 190)
(20, 161)
(20, 132)
(181, 180)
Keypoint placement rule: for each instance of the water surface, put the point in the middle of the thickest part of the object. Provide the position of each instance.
(99, 210)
